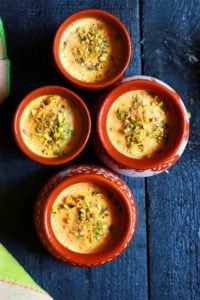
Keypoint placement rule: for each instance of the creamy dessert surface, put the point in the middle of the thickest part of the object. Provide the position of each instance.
(139, 124)
(91, 50)
(86, 218)
(51, 126)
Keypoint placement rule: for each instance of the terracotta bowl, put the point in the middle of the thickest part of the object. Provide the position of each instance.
(123, 164)
(112, 23)
(83, 115)
(66, 178)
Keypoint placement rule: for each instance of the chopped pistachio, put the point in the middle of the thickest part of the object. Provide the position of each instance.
(120, 114)
(50, 125)
(62, 46)
(137, 123)
(92, 49)
(60, 118)
(95, 193)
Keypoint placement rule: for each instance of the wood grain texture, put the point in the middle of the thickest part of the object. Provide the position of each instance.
(30, 26)
(171, 39)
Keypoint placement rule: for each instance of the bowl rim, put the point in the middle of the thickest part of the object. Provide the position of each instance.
(44, 203)
(31, 96)
(81, 14)
(124, 87)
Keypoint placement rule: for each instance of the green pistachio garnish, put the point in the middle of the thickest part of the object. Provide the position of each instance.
(136, 125)
(92, 51)
(50, 124)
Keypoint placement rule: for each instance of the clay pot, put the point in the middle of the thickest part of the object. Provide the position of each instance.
(83, 114)
(123, 164)
(78, 174)
(112, 23)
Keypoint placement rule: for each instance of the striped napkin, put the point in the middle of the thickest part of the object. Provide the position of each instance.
(15, 283)
(4, 66)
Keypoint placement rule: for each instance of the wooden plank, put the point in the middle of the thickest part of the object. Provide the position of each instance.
(171, 53)
(30, 27)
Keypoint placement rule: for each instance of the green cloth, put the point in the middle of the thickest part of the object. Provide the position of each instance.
(4, 66)
(3, 53)
(15, 283)
(11, 270)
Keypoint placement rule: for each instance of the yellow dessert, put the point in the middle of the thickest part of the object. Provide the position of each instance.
(51, 126)
(91, 50)
(139, 124)
(86, 218)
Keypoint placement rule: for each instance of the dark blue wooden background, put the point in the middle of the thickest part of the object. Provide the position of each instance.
(163, 260)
